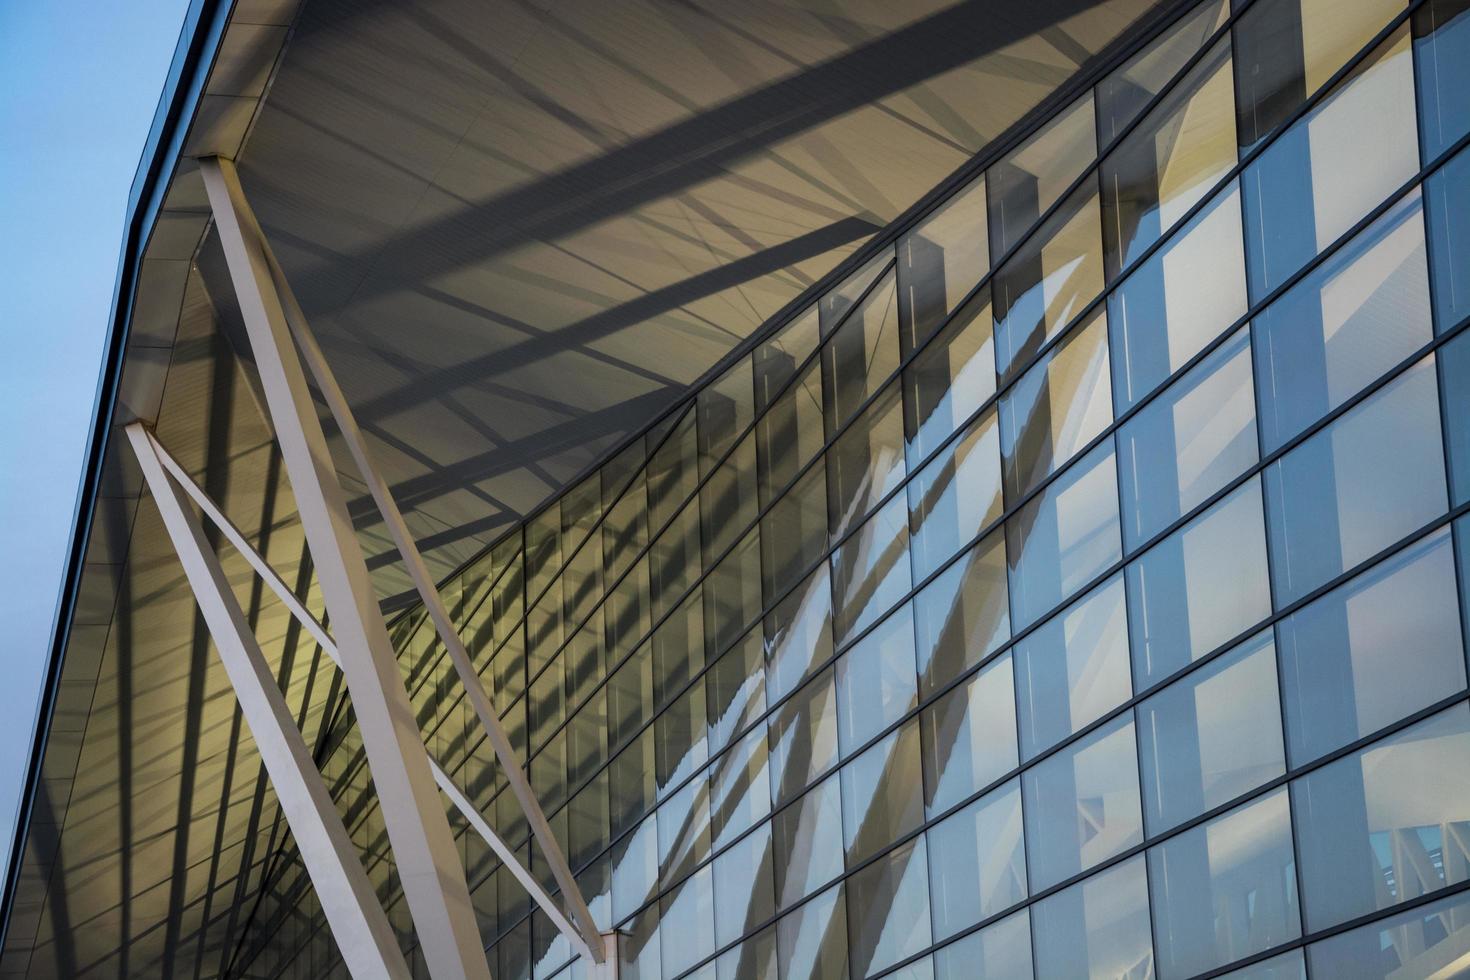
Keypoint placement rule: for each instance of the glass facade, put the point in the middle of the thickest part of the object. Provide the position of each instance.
(1075, 590)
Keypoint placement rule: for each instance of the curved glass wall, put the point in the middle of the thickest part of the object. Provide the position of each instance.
(1076, 590)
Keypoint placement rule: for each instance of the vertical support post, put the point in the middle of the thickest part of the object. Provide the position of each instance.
(358, 922)
(418, 831)
(423, 581)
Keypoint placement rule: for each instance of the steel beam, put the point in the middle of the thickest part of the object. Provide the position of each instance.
(423, 847)
(312, 625)
(357, 920)
(423, 581)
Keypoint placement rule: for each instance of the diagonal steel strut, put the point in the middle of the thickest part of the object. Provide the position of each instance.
(314, 626)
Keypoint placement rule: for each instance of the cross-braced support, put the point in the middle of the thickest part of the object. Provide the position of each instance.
(318, 631)
(428, 862)
(358, 922)
(432, 879)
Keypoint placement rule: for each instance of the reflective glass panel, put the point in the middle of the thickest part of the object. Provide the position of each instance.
(1447, 206)
(1170, 161)
(888, 909)
(1030, 178)
(1211, 736)
(866, 462)
(1298, 194)
(955, 497)
(1064, 536)
(876, 682)
(1172, 305)
(808, 851)
(777, 360)
(882, 798)
(950, 379)
(1187, 443)
(1354, 488)
(940, 262)
(1429, 941)
(1442, 57)
(1082, 804)
(1000, 951)
(799, 634)
(979, 861)
(969, 736)
(1354, 316)
(963, 614)
(1056, 408)
(1096, 928)
(1343, 657)
(1199, 587)
(803, 736)
(861, 355)
(811, 941)
(1225, 890)
(1454, 385)
(790, 433)
(1128, 89)
(870, 570)
(1386, 824)
(1052, 276)
(726, 407)
(1074, 669)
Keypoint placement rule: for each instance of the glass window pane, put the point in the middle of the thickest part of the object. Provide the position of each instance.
(969, 736)
(1386, 824)
(1030, 178)
(1370, 478)
(811, 942)
(1429, 941)
(728, 501)
(950, 379)
(1344, 667)
(1049, 280)
(1082, 804)
(808, 852)
(740, 788)
(1286, 50)
(674, 559)
(1128, 89)
(861, 355)
(799, 634)
(1189, 442)
(744, 886)
(1056, 408)
(687, 922)
(1287, 966)
(803, 737)
(1064, 536)
(777, 360)
(1225, 890)
(735, 690)
(876, 681)
(1298, 194)
(963, 614)
(1447, 197)
(940, 262)
(1442, 57)
(888, 910)
(794, 533)
(732, 594)
(1171, 306)
(1096, 928)
(870, 570)
(1356, 315)
(866, 462)
(726, 408)
(882, 798)
(956, 496)
(1170, 161)
(1199, 587)
(1074, 669)
(1454, 384)
(673, 472)
(840, 301)
(979, 861)
(1211, 736)
(790, 433)
(1001, 951)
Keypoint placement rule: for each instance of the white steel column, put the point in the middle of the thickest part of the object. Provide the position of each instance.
(418, 831)
(358, 922)
(423, 581)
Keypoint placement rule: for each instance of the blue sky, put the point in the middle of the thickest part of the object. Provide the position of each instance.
(79, 81)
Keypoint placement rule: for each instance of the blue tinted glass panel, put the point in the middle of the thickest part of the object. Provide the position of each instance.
(1447, 203)
(1442, 58)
